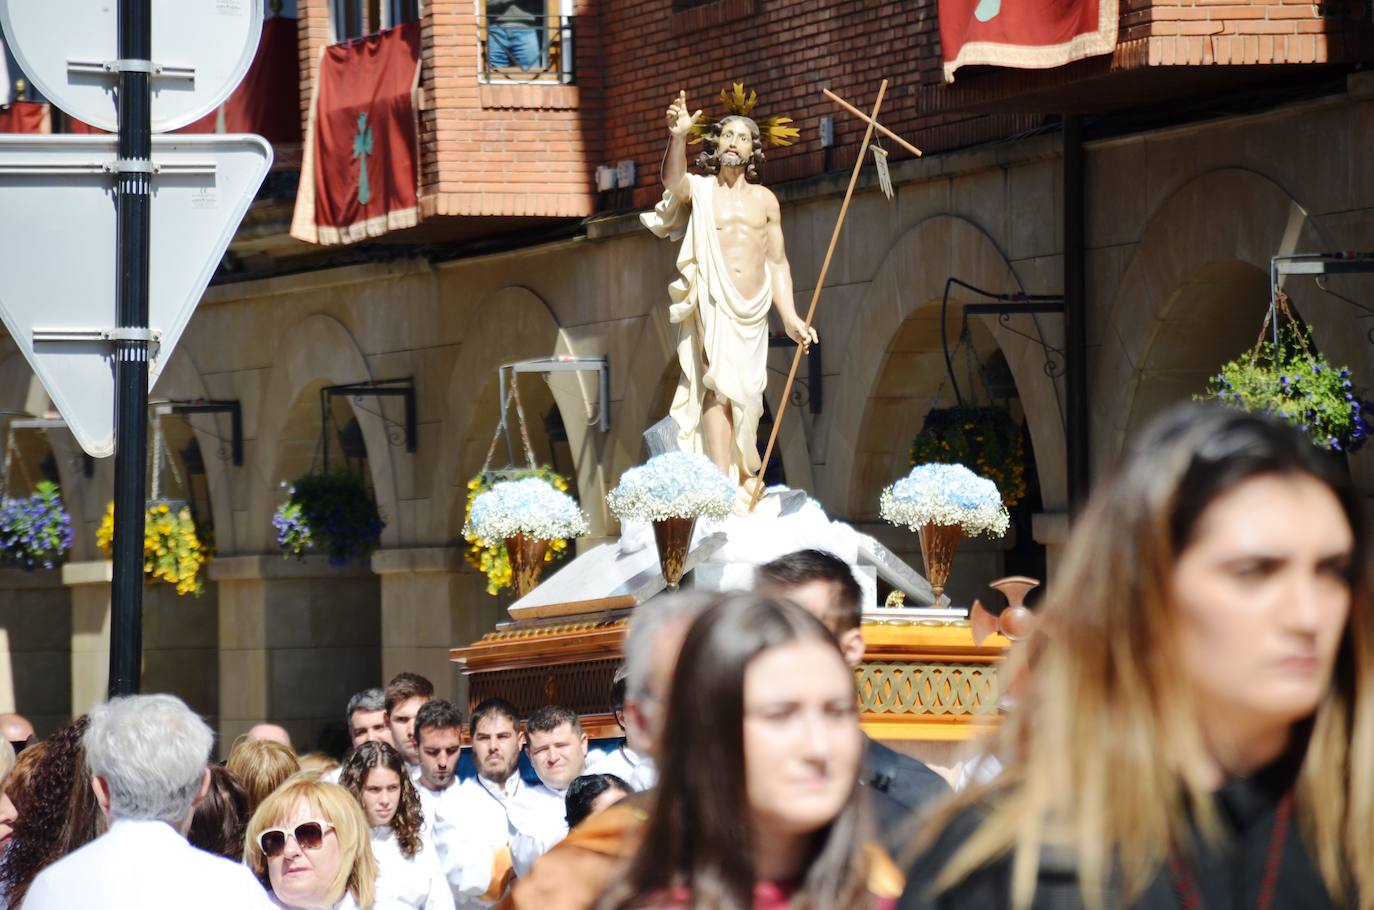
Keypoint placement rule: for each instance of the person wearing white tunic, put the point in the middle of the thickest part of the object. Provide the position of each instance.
(147, 755)
(732, 268)
(538, 815)
(477, 870)
(408, 873)
(629, 759)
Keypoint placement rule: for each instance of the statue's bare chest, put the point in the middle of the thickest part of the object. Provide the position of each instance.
(738, 212)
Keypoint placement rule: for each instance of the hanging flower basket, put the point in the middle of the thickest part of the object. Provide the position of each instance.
(984, 439)
(332, 513)
(490, 557)
(172, 551)
(518, 513)
(35, 530)
(1294, 383)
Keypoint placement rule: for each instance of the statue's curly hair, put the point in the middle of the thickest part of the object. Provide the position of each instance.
(709, 159)
(409, 815)
(57, 813)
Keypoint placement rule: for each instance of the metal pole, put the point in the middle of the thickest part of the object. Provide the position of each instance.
(1075, 314)
(133, 201)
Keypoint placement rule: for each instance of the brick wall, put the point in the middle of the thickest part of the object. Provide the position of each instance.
(1203, 32)
(786, 50)
(530, 149)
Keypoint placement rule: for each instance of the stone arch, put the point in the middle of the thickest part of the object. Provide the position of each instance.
(22, 393)
(527, 329)
(317, 350)
(1189, 240)
(910, 277)
(181, 378)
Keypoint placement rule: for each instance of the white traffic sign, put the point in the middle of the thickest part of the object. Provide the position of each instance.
(58, 254)
(201, 49)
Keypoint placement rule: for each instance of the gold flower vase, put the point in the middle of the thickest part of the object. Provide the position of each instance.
(673, 536)
(526, 561)
(938, 543)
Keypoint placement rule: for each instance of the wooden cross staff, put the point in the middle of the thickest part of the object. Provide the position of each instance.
(872, 121)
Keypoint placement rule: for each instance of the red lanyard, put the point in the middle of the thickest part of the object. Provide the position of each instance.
(1190, 896)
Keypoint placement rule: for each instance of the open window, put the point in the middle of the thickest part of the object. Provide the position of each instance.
(358, 18)
(525, 40)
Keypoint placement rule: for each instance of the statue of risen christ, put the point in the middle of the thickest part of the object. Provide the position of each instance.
(732, 268)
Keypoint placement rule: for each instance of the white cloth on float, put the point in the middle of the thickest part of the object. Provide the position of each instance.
(722, 342)
(408, 883)
(141, 864)
(625, 763)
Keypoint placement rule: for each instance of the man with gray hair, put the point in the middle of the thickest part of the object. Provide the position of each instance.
(366, 717)
(147, 756)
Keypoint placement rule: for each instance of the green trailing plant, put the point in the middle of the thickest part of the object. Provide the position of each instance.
(983, 438)
(1293, 382)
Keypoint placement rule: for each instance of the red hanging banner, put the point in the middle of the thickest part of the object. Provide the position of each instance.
(1025, 34)
(26, 117)
(360, 174)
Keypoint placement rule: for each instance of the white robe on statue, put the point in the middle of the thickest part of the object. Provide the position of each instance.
(722, 341)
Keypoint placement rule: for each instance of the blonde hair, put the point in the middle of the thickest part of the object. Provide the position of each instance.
(261, 766)
(329, 802)
(318, 763)
(1098, 756)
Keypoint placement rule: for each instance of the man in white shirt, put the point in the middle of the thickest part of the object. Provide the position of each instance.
(147, 756)
(538, 815)
(629, 760)
(482, 801)
(405, 695)
(477, 869)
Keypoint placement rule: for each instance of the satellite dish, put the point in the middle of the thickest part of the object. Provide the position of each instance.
(201, 50)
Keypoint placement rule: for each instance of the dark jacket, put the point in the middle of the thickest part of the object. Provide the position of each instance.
(903, 778)
(1228, 876)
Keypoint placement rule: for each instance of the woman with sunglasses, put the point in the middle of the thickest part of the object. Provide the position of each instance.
(307, 843)
(1198, 724)
(758, 805)
(408, 873)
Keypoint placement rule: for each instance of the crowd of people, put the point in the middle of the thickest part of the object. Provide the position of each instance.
(1193, 727)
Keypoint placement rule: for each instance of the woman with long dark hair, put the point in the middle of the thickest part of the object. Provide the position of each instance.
(408, 873)
(758, 803)
(58, 816)
(1197, 727)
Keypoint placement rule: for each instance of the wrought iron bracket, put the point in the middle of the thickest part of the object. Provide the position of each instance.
(815, 375)
(1318, 266)
(211, 406)
(1003, 306)
(377, 388)
(566, 363)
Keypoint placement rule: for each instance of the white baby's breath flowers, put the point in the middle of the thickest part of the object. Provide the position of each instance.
(945, 494)
(532, 507)
(673, 485)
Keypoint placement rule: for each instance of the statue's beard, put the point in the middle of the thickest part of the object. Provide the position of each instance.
(731, 159)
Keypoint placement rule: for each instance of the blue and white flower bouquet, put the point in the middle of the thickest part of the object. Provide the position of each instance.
(945, 494)
(531, 507)
(673, 485)
(35, 530)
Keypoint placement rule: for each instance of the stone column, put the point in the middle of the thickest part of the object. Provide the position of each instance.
(432, 601)
(179, 640)
(296, 640)
(90, 632)
(35, 647)
(1051, 530)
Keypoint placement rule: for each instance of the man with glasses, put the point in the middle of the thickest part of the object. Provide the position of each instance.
(477, 869)
(148, 757)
